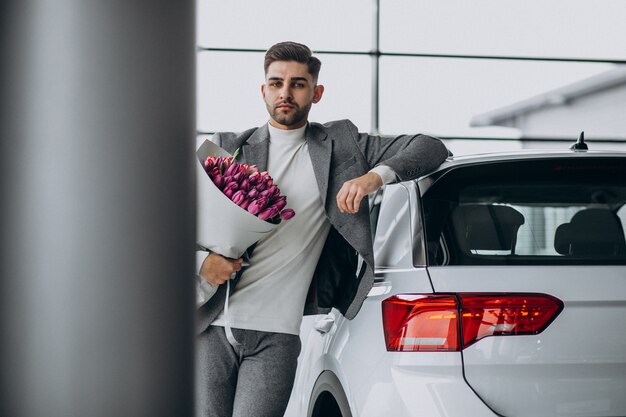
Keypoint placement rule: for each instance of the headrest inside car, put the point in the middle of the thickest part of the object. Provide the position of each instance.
(487, 226)
(591, 232)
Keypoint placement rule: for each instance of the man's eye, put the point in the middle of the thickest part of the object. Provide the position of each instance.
(275, 84)
(298, 85)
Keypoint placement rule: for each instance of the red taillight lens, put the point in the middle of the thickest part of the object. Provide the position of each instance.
(416, 323)
(420, 322)
(485, 315)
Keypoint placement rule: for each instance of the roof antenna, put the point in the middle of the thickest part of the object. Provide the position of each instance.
(580, 144)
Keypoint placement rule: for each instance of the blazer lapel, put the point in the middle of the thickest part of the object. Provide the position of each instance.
(256, 148)
(320, 150)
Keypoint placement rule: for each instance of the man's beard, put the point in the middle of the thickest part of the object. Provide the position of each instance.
(289, 119)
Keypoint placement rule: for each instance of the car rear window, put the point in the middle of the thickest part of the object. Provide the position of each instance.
(548, 211)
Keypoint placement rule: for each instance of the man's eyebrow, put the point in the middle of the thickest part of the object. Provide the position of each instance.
(291, 79)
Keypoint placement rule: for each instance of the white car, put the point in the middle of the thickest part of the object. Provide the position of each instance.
(500, 291)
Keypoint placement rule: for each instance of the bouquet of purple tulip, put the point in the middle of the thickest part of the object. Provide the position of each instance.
(248, 188)
(222, 227)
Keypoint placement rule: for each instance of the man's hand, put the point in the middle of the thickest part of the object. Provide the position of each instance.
(352, 192)
(217, 269)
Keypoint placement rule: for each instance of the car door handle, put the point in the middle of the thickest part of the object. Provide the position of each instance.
(325, 323)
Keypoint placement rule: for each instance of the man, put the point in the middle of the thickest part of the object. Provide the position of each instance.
(325, 251)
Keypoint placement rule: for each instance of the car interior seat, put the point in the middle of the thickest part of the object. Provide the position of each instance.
(591, 232)
(487, 227)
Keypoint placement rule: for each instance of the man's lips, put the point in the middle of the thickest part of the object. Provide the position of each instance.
(285, 107)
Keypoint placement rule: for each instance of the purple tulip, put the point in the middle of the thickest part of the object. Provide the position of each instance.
(244, 204)
(232, 186)
(228, 192)
(265, 177)
(245, 185)
(280, 202)
(287, 214)
(268, 213)
(257, 205)
(261, 186)
(253, 193)
(238, 177)
(238, 197)
(254, 178)
(233, 169)
(218, 180)
(209, 164)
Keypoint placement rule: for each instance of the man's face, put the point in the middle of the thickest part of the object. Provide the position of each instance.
(289, 91)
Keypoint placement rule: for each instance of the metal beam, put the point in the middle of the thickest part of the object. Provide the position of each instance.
(378, 53)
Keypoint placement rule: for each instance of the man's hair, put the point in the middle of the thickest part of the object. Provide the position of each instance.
(292, 51)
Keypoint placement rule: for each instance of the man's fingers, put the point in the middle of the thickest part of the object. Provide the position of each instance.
(341, 198)
(349, 197)
(218, 269)
(236, 264)
(357, 202)
(354, 199)
(352, 192)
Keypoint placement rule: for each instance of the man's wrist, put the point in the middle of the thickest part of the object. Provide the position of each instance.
(201, 256)
(387, 175)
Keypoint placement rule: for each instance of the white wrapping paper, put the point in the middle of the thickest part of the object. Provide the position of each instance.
(222, 226)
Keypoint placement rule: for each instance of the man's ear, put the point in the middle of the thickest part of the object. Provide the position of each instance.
(263, 91)
(318, 91)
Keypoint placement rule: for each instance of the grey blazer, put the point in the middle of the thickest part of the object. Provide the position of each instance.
(338, 153)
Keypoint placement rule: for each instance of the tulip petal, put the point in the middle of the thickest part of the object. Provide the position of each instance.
(287, 214)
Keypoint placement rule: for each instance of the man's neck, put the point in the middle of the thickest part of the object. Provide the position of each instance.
(290, 135)
(295, 126)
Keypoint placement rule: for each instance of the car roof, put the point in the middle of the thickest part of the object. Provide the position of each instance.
(454, 161)
(486, 158)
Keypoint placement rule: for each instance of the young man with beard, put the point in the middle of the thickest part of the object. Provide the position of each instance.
(325, 251)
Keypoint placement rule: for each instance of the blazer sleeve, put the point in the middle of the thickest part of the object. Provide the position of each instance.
(410, 156)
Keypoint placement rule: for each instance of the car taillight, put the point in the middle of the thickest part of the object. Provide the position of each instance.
(416, 322)
(429, 322)
(485, 315)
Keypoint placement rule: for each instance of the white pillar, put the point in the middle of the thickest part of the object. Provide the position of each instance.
(97, 198)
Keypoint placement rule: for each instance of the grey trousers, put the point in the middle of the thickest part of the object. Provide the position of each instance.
(254, 380)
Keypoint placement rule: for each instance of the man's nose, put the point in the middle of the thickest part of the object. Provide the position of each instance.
(285, 92)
